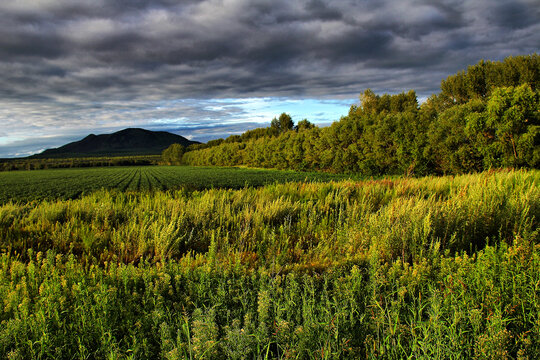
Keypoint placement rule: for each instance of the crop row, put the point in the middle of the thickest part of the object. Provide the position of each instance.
(72, 183)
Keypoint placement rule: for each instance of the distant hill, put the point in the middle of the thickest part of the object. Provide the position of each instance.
(132, 141)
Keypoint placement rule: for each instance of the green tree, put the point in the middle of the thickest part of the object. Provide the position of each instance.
(283, 123)
(513, 119)
(173, 154)
(304, 125)
(472, 125)
(449, 146)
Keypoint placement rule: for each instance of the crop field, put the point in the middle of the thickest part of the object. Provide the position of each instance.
(72, 183)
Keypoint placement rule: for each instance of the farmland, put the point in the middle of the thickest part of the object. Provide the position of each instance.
(436, 267)
(72, 183)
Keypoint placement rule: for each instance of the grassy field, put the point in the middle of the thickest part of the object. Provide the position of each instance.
(72, 183)
(404, 268)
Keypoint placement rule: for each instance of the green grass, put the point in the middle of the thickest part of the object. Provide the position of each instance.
(282, 225)
(480, 307)
(430, 268)
(72, 183)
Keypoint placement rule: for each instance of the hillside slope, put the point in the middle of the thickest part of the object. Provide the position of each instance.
(132, 141)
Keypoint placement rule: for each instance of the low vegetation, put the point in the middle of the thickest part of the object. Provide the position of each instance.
(72, 183)
(423, 268)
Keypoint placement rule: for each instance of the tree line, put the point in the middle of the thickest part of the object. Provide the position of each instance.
(64, 163)
(485, 117)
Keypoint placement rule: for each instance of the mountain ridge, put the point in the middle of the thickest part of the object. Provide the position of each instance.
(130, 141)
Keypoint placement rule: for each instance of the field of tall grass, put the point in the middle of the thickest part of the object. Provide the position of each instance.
(444, 267)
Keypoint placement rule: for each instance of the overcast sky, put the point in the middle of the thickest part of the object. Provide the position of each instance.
(206, 69)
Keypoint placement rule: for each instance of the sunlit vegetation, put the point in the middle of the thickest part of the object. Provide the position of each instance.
(404, 268)
(486, 117)
(184, 262)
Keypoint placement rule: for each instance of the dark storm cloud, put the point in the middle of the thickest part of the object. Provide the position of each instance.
(507, 13)
(135, 49)
(65, 63)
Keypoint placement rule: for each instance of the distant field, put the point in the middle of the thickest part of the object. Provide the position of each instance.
(71, 183)
(74, 162)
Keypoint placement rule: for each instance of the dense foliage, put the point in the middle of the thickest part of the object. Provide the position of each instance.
(173, 154)
(486, 117)
(407, 268)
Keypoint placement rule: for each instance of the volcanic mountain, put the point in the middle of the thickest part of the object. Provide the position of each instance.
(132, 141)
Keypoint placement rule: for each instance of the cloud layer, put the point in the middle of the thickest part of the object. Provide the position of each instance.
(94, 63)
